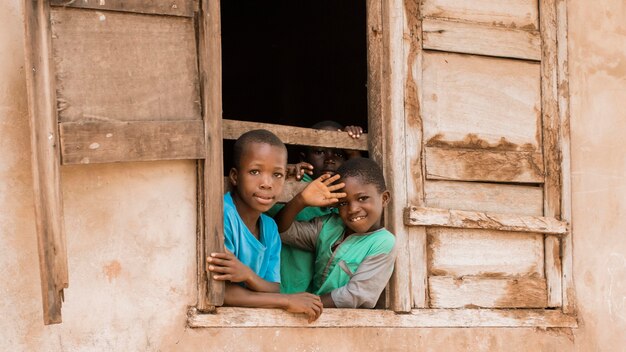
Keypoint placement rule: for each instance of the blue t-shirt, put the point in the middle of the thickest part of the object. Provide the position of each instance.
(262, 255)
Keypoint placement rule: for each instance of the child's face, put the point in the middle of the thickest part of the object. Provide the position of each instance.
(361, 210)
(259, 177)
(324, 160)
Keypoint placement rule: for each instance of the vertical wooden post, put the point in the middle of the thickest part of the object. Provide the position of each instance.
(45, 158)
(551, 147)
(210, 61)
(414, 147)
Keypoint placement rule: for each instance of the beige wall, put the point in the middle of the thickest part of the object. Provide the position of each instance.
(131, 231)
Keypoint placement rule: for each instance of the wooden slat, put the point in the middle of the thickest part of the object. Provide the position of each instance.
(353, 318)
(489, 197)
(105, 142)
(210, 62)
(45, 159)
(481, 102)
(417, 216)
(168, 7)
(551, 145)
(414, 148)
(483, 165)
(472, 292)
(485, 253)
(124, 66)
(473, 38)
(297, 135)
(511, 13)
(567, 283)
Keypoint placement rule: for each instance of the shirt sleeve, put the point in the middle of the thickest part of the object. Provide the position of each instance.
(273, 271)
(367, 283)
(303, 234)
(229, 232)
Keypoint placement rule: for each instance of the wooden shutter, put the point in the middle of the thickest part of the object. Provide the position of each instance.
(120, 81)
(483, 144)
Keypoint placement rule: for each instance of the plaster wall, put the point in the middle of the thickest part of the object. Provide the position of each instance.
(131, 231)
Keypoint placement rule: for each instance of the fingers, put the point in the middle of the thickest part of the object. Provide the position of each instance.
(354, 131)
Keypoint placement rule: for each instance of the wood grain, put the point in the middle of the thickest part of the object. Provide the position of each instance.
(419, 216)
(45, 159)
(510, 13)
(159, 7)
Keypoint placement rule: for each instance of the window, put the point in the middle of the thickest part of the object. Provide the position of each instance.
(467, 112)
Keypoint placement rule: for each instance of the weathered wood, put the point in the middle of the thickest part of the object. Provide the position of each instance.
(109, 141)
(551, 145)
(202, 278)
(567, 283)
(485, 253)
(511, 13)
(418, 216)
(210, 62)
(152, 57)
(297, 135)
(45, 159)
(481, 39)
(489, 197)
(481, 102)
(483, 165)
(169, 7)
(472, 292)
(416, 236)
(352, 318)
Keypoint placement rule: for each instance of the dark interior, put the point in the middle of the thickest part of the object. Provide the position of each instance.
(294, 63)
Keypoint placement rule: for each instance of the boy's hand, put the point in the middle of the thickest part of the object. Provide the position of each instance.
(228, 267)
(319, 193)
(306, 303)
(354, 131)
(298, 170)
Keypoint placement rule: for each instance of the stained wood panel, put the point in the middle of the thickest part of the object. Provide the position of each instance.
(506, 13)
(481, 102)
(161, 7)
(152, 57)
(472, 38)
(460, 252)
(472, 292)
(487, 197)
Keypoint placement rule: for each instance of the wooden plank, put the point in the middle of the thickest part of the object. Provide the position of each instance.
(108, 141)
(473, 292)
(45, 159)
(296, 135)
(414, 148)
(567, 283)
(483, 165)
(153, 57)
(511, 13)
(551, 145)
(481, 102)
(210, 62)
(170, 7)
(488, 197)
(474, 38)
(418, 216)
(356, 318)
(485, 253)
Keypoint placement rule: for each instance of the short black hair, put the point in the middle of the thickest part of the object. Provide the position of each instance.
(327, 123)
(254, 136)
(366, 170)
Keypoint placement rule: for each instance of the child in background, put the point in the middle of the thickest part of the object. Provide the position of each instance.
(251, 265)
(354, 253)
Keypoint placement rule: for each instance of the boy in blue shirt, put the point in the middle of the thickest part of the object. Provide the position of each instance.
(251, 266)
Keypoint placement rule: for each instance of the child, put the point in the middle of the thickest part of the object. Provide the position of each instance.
(354, 253)
(251, 265)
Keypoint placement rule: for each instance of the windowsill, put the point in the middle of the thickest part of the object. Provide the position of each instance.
(418, 318)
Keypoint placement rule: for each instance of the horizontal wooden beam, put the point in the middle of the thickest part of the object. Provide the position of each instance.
(420, 216)
(232, 129)
(184, 8)
(352, 318)
(115, 141)
(481, 39)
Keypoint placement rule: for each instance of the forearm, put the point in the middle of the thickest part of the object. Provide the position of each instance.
(288, 213)
(327, 301)
(258, 284)
(238, 296)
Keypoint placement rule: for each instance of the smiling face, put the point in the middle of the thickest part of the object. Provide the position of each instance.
(361, 210)
(258, 179)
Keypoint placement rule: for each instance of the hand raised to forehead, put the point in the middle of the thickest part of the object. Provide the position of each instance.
(321, 192)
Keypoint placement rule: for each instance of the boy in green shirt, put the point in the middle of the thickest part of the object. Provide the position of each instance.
(354, 253)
